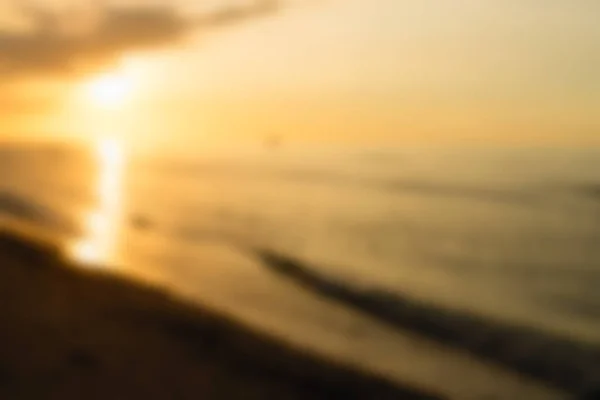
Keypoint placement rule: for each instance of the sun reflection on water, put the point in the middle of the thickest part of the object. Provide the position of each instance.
(97, 246)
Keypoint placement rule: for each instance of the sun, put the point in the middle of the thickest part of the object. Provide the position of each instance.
(109, 90)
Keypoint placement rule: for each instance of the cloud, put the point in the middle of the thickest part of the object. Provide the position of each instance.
(48, 48)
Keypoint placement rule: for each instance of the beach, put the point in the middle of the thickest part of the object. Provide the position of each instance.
(299, 200)
(70, 334)
(471, 287)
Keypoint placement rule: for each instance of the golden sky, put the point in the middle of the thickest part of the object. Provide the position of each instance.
(319, 71)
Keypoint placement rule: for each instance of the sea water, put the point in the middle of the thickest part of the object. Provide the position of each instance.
(511, 235)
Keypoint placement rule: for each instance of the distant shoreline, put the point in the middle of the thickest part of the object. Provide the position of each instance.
(73, 334)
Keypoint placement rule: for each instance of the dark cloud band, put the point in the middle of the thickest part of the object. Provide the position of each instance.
(46, 49)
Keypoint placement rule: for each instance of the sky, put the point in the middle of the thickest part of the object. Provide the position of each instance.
(368, 72)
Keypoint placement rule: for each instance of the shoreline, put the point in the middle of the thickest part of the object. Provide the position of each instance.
(72, 333)
(557, 361)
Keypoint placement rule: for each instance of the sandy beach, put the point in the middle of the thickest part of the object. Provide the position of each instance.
(71, 333)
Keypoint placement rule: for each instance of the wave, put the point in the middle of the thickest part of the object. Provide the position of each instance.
(416, 187)
(26, 210)
(591, 190)
(564, 363)
(364, 180)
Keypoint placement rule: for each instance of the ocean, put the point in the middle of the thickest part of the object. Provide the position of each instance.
(485, 240)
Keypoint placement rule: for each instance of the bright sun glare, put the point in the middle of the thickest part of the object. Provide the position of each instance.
(99, 240)
(109, 90)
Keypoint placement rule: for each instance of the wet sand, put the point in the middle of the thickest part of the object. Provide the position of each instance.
(70, 333)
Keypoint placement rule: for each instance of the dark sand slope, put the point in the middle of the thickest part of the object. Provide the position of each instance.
(72, 334)
(559, 362)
